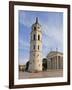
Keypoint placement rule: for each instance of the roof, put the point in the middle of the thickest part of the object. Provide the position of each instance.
(54, 53)
(36, 23)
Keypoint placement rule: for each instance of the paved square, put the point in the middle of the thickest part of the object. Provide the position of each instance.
(43, 74)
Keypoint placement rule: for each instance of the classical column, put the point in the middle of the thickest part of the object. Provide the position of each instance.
(53, 63)
(57, 63)
(60, 62)
(49, 63)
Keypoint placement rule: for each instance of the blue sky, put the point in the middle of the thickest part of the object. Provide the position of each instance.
(52, 32)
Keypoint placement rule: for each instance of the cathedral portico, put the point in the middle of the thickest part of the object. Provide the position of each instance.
(55, 60)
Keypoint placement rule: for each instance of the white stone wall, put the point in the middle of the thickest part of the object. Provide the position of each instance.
(35, 63)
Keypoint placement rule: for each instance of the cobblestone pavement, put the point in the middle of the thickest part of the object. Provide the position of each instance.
(43, 74)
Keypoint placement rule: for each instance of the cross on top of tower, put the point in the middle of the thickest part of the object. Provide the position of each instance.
(56, 49)
(36, 25)
(36, 20)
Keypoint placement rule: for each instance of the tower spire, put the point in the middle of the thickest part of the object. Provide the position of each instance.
(36, 19)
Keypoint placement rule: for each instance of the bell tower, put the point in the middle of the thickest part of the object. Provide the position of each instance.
(35, 62)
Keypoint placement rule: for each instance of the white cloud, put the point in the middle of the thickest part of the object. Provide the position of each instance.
(23, 44)
(23, 60)
(25, 19)
(53, 35)
(53, 32)
(53, 38)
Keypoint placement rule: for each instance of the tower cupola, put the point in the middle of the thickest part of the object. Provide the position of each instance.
(36, 25)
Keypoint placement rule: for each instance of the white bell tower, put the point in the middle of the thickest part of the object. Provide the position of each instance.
(35, 63)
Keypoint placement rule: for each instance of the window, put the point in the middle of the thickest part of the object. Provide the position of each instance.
(39, 65)
(34, 28)
(34, 37)
(31, 37)
(33, 54)
(37, 55)
(34, 47)
(38, 37)
(38, 47)
(38, 27)
(33, 60)
(30, 63)
(38, 60)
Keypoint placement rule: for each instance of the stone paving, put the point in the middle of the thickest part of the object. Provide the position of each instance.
(43, 74)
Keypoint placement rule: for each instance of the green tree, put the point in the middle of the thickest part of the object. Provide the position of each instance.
(44, 64)
(27, 66)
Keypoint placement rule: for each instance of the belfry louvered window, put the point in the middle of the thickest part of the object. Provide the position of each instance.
(38, 37)
(38, 47)
(34, 37)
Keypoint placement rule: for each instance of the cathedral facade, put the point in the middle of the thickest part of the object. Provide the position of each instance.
(35, 62)
(55, 60)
